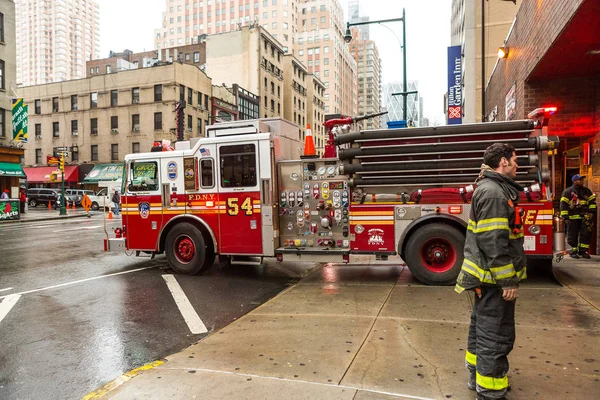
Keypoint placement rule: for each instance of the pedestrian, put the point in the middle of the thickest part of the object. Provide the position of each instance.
(4, 194)
(578, 210)
(493, 266)
(23, 201)
(116, 199)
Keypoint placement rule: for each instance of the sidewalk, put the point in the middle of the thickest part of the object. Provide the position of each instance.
(43, 214)
(371, 332)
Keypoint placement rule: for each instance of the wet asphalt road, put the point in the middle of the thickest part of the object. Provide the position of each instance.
(80, 326)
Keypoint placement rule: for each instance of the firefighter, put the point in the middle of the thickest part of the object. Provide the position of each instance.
(578, 209)
(493, 266)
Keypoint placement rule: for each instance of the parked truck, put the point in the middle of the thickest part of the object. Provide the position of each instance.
(242, 191)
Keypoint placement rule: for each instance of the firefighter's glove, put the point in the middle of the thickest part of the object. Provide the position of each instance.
(509, 294)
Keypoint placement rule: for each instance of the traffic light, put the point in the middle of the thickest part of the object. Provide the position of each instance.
(61, 163)
(53, 177)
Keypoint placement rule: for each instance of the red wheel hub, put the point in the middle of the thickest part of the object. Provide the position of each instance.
(184, 249)
(438, 255)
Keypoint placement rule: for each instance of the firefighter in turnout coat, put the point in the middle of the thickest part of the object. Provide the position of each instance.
(578, 210)
(493, 266)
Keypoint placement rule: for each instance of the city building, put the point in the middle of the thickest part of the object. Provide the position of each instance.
(224, 105)
(56, 38)
(248, 103)
(315, 111)
(354, 16)
(535, 74)
(194, 54)
(312, 30)
(368, 77)
(393, 104)
(11, 152)
(466, 32)
(100, 120)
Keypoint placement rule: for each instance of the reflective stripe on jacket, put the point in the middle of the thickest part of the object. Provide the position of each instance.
(586, 202)
(493, 253)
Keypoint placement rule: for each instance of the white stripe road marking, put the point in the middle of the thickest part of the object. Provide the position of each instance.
(77, 228)
(8, 303)
(5, 290)
(79, 281)
(185, 307)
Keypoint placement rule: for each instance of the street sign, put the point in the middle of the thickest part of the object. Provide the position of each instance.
(51, 160)
(64, 148)
(86, 202)
(19, 120)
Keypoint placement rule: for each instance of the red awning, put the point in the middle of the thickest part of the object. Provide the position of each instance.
(42, 174)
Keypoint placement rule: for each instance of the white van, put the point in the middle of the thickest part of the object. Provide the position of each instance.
(103, 197)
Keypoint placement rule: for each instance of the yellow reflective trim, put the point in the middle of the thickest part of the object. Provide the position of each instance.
(471, 358)
(522, 274)
(565, 199)
(564, 212)
(503, 272)
(492, 228)
(459, 289)
(491, 220)
(473, 269)
(521, 234)
(574, 216)
(592, 197)
(490, 383)
(584, 246)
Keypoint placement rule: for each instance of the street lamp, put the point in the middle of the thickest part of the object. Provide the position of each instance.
(348, 39)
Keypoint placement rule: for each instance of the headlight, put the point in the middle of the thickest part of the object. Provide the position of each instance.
(534, 229)
(359, 229)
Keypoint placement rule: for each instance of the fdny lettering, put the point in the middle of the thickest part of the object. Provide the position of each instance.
(201, 197)
(530, 217)
(233, 208)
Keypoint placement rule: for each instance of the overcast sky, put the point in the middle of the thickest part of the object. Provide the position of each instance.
(130, 24)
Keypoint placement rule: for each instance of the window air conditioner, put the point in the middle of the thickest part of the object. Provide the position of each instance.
(74, 133)
(136, 128)
(114, 130)
(136, 101)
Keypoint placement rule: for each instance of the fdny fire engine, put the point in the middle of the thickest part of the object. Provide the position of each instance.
(245, 190)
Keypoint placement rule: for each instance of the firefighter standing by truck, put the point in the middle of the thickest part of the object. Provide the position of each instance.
(493, 266)
(578, 209)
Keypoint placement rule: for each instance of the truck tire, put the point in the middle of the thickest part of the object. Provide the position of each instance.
(186, 249)
(33, 203)
(95, 206)
(434, 254)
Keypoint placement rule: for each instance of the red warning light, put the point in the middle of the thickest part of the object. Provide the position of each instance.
(550, 110)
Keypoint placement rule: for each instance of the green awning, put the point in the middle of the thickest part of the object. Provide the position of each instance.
(104, 172)
(11, 169)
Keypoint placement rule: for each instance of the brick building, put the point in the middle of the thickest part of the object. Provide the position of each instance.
(554, 60)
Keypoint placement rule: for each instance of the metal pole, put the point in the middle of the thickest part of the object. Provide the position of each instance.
(482, 60)
(405, 99)
(63, 209)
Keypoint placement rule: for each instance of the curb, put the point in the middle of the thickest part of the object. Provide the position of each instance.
(28, 221)
(110, 386)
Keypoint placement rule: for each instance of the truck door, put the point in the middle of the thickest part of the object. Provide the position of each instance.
(240, 225)
(143, 205)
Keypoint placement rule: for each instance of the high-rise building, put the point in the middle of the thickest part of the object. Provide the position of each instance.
(56, 38)
(8, 68)
(466, 32)
(368, 69)
(394, 107)
(312, 30)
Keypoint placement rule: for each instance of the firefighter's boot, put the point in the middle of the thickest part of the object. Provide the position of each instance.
(584, 255)
(574, 254)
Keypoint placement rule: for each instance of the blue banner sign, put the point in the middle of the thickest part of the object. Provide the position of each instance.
(455, 98)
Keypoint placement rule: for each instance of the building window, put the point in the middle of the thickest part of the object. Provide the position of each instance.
(2, 127)
(38, 106)
(55, 129)
(38, 156)
(92, 71)
(189, 123)
(1, 27)
(38, 131)
(74, 156)
(200, 127)
(94, 126)
(199, 100)
(206, 101)
(94, 100)
(190, 97)
(74, 130)
(157, 92)
(114, 152)
(135, 122)
(196, 57)
(157, 121)
(114, 122)
(2, 86)
(74, 105)
(94, 151)
(135, 147)
(181, 93)
(135, 95)
(114, 98)
(55, 104)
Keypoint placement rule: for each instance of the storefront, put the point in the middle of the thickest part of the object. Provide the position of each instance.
(553, 60)
(42, 176)
(10, 173)
(103, 175)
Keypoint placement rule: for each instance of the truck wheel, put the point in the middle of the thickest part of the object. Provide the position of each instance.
(186, 250)
(32, 203)
(434, 254)
(95, 206)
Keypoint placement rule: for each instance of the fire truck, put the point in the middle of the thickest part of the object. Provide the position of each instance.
(245, 190)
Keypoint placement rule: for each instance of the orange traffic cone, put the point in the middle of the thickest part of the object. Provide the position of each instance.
(309, 144)
(49, 205)
(110, 216)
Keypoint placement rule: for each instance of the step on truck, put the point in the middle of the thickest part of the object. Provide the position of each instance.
(244, 190)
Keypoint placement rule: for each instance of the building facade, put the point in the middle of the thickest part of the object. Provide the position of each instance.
(394, 106)
(368, 78)
(466, 32)
(248, 103)
(312, 30)
(102, 118)
(56, 39)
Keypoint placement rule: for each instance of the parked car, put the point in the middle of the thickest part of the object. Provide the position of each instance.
(44, 195)
(77, 194)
